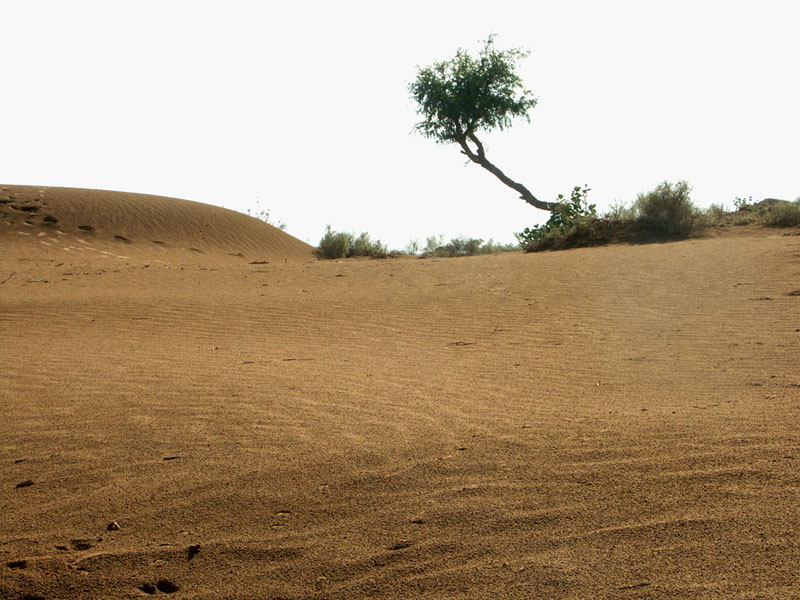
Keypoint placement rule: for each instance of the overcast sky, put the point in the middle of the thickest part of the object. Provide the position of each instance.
(303, 107)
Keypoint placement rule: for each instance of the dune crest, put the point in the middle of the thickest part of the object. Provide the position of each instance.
(126, 225)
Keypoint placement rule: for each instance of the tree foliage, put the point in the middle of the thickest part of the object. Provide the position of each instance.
(458, 97)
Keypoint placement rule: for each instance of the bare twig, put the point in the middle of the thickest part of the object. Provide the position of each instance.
(9, 277)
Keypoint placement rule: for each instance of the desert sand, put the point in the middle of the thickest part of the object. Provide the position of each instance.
(194, 406)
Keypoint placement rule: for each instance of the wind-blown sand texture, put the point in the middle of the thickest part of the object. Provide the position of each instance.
(616, 422)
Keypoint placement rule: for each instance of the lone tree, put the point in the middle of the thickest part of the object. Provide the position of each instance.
(461, 96)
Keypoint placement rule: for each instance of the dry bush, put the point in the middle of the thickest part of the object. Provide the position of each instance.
(783, 214)
(667, 210)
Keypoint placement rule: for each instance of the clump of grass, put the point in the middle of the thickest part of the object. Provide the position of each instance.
(667, 210)
(340, 244)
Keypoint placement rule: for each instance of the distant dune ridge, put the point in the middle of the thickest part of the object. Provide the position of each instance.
(124, 224)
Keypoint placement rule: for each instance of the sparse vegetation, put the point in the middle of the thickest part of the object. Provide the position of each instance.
(666, 212)
(431, 244)
(770, 212)
(263, 214)
(412, 247)
(339, 244)
(464, 246)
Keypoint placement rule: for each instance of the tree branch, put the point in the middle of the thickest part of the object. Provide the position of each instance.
(480, 159)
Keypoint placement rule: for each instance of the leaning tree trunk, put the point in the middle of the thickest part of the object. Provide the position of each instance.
(479, 157)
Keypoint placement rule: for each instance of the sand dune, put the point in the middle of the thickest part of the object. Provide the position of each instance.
(123, 225)
(617, 422)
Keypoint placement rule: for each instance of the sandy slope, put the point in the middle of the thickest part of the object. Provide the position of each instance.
(616, 422)
(56, 221)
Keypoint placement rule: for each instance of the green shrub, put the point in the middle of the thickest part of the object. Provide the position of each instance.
(463, 246)
(667, 210)
(334, 244)
(364, 246)
(567, 215)
(783, 214)
(339, 244)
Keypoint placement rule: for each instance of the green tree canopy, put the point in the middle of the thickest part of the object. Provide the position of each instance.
(464, 95)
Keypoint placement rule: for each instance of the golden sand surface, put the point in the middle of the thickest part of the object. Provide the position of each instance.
(243, 421)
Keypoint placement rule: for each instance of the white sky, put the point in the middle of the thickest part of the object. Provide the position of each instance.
(304, 107)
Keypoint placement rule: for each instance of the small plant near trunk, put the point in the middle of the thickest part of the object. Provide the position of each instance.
(565, 215)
